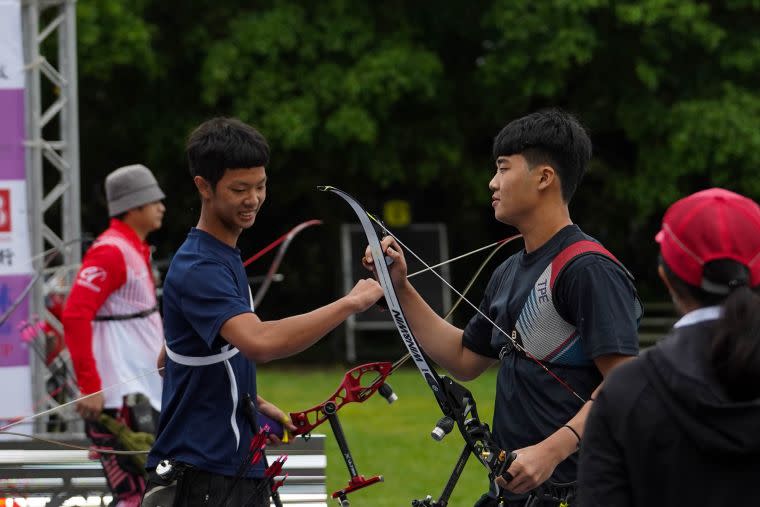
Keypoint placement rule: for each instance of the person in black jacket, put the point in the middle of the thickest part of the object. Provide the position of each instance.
(681, 424)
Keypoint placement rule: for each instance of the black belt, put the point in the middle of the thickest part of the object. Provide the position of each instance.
(128, 316)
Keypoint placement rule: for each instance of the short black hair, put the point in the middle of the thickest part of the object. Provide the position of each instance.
(550, 137)
(222, 143)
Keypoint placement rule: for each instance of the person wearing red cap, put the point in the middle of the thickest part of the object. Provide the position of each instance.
(681, 425)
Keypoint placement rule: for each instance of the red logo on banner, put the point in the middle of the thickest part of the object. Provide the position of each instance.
(5, 210)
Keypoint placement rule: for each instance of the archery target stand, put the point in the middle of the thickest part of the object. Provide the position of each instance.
(429, 241)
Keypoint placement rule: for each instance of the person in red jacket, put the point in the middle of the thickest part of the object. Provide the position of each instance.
(112, 326)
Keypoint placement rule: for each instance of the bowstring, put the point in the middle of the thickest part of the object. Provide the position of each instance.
(499, 244)
(517, 345)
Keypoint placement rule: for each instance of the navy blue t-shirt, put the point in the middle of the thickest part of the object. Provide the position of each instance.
(593, 294)
(205, 286)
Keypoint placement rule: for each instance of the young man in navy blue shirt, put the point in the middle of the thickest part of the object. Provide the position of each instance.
(579, 320)
(214, 340)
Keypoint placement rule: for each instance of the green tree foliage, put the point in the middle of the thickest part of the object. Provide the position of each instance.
(115, 35)
(670, 85)
(402, 99)
(325, 82)
(667, 87)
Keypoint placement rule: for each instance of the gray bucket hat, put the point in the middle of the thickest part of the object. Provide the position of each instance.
(130, 187)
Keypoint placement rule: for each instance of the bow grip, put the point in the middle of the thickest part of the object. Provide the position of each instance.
(503, 462)
(275, 427)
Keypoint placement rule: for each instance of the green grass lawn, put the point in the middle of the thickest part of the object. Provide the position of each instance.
(389, 440)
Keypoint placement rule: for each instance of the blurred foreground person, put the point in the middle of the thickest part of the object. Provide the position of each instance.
(681, 425)
(112, 327)
(214, 340)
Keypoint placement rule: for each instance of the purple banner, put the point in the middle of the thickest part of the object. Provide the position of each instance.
(12, 134)
(13, 351)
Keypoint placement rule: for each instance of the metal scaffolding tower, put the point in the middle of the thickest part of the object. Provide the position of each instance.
(52, 155)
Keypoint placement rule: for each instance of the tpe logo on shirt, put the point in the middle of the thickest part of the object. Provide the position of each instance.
(5, 210)
(89, 276)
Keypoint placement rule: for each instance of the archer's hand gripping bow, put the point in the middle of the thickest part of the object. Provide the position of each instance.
(455, 401)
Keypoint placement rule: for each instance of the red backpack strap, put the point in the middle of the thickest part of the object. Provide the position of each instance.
(578, 249)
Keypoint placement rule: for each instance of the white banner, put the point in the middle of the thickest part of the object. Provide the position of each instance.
(11, 45)
(15, 258)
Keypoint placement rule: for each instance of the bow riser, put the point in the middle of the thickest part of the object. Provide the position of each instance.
(351, 390)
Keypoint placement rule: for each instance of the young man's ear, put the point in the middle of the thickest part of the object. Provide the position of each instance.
(203, 186)
(546, 176)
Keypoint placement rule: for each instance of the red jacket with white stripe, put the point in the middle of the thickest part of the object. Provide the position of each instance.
(115, 280)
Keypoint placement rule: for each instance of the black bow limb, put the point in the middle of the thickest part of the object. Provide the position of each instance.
(455, 401)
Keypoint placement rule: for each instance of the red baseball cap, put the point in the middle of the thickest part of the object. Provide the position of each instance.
(710, 225)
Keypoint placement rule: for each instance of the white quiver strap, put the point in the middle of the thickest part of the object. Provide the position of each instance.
(223, 356)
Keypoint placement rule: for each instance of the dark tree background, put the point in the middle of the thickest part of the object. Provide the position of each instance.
(400, 100)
